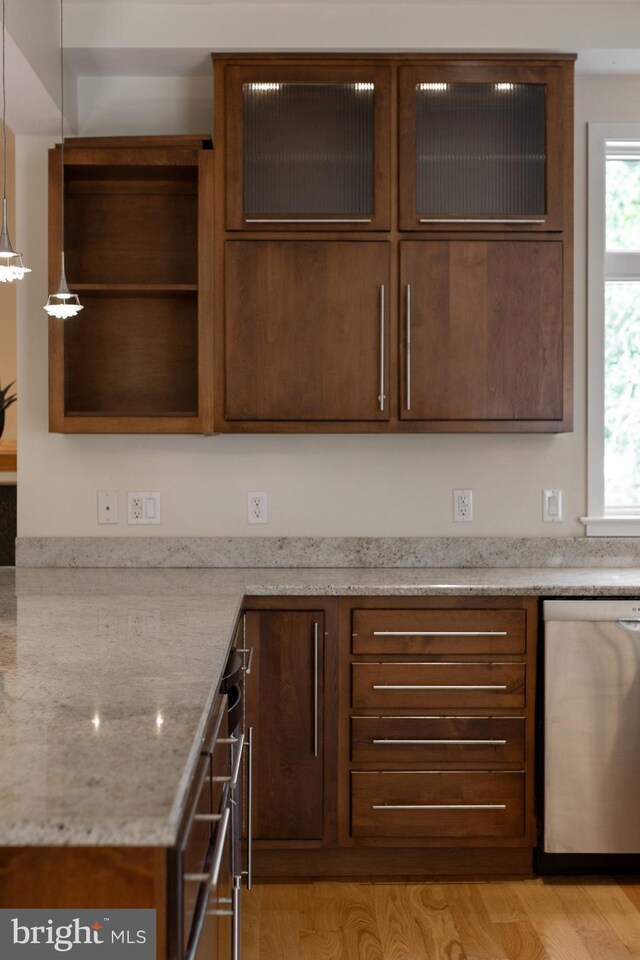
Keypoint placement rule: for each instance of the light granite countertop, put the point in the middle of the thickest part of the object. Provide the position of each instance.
(106, 678)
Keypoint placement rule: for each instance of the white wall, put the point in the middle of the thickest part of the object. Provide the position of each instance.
(331, 485)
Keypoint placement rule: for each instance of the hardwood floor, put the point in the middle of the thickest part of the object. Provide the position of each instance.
(552, 919)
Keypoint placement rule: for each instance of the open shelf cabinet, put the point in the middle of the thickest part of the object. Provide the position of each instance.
(138, 228)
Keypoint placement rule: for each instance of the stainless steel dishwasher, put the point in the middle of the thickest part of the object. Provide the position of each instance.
(592, 727)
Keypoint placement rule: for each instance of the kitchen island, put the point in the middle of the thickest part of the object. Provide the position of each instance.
(109, 678)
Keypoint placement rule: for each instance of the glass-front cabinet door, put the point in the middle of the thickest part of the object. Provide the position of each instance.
(479, 147)
(308, 146)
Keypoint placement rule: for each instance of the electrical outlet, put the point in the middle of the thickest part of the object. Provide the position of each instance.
(107, 506)
(463, 506)
(257, 507)
(143, 508)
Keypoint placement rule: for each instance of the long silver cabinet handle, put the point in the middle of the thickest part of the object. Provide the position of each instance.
(218, 849)
(381, 397)
(440, 742)
(250, 812)
(249, 650)
(408, 346)
(236, 767)
(439, 686)
(315, 688)
(440, 633)
(308, 220)
(439, 806)
(482, 220)
(211, 879)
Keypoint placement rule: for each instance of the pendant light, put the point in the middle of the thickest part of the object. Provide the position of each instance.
(62, 304)
(11, 264)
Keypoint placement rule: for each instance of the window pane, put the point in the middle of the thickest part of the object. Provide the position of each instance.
(622, 394)
(480, 149)
(623, 204)
(308, 149)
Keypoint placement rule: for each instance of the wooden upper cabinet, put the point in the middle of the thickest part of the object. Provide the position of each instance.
(485, 146)
(307, 146)
(483, 331)
(139, 253)
(306, 330)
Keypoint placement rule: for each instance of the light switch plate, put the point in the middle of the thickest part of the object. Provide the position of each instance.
(552, 506)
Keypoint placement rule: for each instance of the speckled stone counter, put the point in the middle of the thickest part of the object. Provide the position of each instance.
(106, 678)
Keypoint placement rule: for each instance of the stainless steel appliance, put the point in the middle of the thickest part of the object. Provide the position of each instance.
(592, 727)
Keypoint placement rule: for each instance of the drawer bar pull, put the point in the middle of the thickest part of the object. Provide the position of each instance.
(439, 742)
(439, 686)
(482, 220)
(440, 633)
(236, 767)
(208, 817)
(218, 850)
(439, 806)
(309, 220)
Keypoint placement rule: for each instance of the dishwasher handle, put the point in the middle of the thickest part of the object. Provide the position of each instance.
(632, 625)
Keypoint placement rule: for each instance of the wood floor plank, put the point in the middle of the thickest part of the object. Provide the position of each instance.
(551, 924)
(597, 934)
(630, 886)
(478, 935)
(620, 912)
(429, 905)
(401, 935)
(501, 902)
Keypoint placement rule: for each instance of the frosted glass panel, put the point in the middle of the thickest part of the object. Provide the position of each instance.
(480, 149)
(308, 149)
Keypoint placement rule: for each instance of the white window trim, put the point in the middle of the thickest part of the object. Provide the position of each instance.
(598, 523)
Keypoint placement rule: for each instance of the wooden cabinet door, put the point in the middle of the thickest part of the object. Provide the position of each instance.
(483, 330)
(284, 709)
(306, 335)
(486, 145)
(308, 145)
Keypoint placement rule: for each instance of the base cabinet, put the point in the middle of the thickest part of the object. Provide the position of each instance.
(428, 745)
(285, 713)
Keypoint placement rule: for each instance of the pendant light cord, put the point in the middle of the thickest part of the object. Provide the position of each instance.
(4, 113)
(61, 120)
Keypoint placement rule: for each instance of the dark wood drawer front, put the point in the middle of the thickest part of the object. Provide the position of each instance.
(438, 804)
(427, 740)
(439, 631)
(435, 685)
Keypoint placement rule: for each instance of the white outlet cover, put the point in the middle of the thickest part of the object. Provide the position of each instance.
(143, 507)
(463, 506)
(107, 506)
(552, 506)
(257, 507)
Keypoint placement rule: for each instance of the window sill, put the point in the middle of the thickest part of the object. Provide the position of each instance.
(613, 526)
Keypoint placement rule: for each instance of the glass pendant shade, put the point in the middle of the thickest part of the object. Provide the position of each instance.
(11, 263)
(63, 304)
